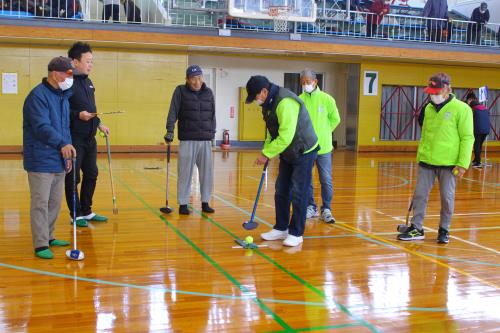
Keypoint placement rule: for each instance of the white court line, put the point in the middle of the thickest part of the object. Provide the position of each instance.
(467, 242)
(399, 218)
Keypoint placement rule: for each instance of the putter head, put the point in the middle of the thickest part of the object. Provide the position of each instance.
(115, 211)
(250, 225)
(402, 228)
(75, 255)
(166, 210)
(246, 245)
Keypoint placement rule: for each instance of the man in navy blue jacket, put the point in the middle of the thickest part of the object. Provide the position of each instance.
(46, 148)
(481, 127)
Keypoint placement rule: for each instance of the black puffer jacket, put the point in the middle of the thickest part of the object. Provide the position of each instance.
(195, 111)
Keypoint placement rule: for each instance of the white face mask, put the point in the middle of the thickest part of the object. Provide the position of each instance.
(259, 102)
(68, 83)
(308, 88)
(437, 99)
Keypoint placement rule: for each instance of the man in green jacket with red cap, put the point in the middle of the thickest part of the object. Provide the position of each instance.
(444, 152)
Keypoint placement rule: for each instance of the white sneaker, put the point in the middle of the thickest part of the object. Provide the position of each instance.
(327, 216)
(292, 240)
(311, 212)
(274, 235)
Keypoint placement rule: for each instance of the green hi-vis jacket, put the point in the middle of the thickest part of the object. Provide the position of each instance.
(324, 117)
(447, 136)
(290, 132)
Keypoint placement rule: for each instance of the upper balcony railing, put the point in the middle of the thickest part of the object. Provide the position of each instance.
(330, 22)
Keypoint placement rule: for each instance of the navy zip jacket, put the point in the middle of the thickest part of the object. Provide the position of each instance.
(45, 128)
(83, 99)
(481, 118)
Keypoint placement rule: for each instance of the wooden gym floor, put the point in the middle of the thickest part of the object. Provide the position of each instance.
(148, 272)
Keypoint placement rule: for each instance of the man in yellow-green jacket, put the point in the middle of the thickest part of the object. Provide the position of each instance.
(444, 152)
(325, 118)
(290, 136)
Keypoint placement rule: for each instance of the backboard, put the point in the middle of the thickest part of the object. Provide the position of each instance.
(297, 10)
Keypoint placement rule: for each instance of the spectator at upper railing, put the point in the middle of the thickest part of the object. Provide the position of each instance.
(480, 16)
(67, 8)
(436, 11)
(376, 13)
(132, 11)
(111, 9)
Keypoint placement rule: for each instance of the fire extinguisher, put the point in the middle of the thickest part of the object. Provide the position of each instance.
(225, 140)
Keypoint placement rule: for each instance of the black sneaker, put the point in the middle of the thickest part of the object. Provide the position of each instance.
(412, 233)
(183, 210)
(477, 165)
(206, 208)
(443, 236)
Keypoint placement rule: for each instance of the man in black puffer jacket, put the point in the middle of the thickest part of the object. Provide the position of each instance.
(84, 125)
(193, 105)
(481, 126)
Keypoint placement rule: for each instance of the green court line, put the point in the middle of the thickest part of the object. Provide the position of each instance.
(318, 328)
(184, 292)
(318, 292)
(233, 280)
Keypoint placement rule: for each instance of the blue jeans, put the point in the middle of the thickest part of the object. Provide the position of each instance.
(293, 181)
(324, 165)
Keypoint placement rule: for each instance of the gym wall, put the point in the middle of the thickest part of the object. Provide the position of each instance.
(410, 74)
(139, 83)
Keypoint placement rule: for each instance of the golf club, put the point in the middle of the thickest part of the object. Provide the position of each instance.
(251, 224)
(74, 254)
(167, 209)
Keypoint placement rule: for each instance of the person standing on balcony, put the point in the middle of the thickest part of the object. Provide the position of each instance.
(325, 118)
(436, 12)
(480, 16)
(377, 10)
(111, 9)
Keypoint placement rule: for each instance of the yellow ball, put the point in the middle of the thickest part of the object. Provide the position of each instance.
(249, 239)
(102, 134)
(455, 172)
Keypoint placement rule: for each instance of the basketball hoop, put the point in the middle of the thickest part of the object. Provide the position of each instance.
(280, 16)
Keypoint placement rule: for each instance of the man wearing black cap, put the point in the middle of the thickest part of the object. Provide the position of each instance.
(290, 134)
(84, 125)
(481, 127)
(47, 152)
(193, 105)
(444, 153)
(481, 16)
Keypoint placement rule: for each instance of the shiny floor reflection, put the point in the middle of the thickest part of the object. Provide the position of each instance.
(149, 272)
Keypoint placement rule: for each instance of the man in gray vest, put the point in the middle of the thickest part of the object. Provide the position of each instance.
(292, 137)
(193, 106)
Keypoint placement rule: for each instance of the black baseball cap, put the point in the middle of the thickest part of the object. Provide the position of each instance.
(254, 86)
(437, 83)
(61, 64)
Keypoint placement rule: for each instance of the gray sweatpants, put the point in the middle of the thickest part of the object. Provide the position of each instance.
(193, 153)
(425, 181)
(46, 190)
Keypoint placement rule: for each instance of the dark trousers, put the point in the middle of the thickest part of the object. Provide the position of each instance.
(478, 146)
(86, 161)
(292, 186)
(371, 29)
(474, 33)
(111, 11)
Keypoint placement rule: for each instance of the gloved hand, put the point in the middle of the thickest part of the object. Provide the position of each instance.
(169, 137)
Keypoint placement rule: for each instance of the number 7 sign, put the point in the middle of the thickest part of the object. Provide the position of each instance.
(370, 83)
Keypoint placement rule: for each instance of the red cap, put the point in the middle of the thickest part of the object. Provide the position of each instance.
(437, 83)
